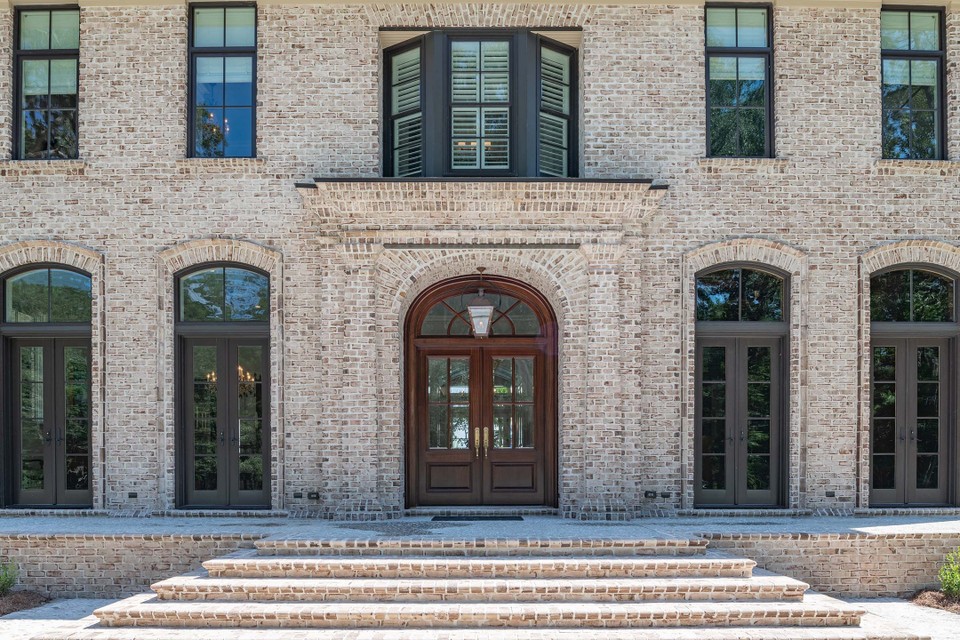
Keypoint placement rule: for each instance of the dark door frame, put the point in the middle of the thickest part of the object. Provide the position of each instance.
(546, 343)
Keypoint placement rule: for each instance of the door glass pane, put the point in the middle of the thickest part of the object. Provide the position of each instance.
(713, 407)
(759, 389)
(31, 418)
(928, 417)
(513, 397)
(250, 367)
(77, 417)
(205, 377)
(884, 412)
(448, 397)
(71, 296)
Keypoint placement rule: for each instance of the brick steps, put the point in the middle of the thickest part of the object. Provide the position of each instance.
(490, 589)
(246, 564)
(201, 587)
(552, 547)
(354, 615)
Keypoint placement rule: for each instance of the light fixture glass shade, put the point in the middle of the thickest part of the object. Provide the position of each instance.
(481, 312)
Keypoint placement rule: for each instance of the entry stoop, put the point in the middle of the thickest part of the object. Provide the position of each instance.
(484, 589)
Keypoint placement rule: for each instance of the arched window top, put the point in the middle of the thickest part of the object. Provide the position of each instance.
(740, 294)
(224, 294)
(47, 294)
(912, 295)
(511, 317)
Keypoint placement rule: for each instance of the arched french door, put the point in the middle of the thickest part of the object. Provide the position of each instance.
(223, 412)
(45, 329)
(481, 419)
(914, 330)
(741, 395)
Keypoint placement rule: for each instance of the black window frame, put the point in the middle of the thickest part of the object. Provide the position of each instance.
(940, 56)
(19, 55)
(194, 52)
(743, 52)
(524, 105)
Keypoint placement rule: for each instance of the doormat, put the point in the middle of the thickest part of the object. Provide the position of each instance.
(477, 518)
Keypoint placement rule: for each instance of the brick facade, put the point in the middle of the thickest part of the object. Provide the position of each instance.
(616, 260)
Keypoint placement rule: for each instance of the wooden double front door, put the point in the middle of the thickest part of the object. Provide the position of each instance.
(481, 416)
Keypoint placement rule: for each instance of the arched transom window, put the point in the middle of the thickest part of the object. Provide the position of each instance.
(740, 295)
(48, 295)
(912, 295)
(224, 294)
(511, 317)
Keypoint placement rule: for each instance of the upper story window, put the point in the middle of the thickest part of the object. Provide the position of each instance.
(913, 84)
(491, 103)
(739, 94)
(46, 76)
(223, 63)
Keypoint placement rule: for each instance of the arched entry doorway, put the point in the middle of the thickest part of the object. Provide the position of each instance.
(481, 420)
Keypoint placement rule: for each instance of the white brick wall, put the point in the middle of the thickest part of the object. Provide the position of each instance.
(616, 263)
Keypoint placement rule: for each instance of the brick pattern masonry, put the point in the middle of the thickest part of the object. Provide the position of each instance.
(346, 258)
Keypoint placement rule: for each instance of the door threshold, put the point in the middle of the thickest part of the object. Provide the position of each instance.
(477, 519)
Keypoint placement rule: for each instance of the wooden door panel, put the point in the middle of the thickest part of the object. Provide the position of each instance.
(448, 419)
(514, 426)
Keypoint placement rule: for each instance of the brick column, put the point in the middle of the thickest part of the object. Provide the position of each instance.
(358, 422)
(952, 49)
(604, 491)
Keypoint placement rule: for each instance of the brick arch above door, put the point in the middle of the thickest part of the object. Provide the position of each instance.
(936, 254)
(173, 261)
(394, 275)
(54, 252)
(763, 253)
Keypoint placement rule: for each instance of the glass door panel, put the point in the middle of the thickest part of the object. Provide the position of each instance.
(248, 436)
(33, 418)
(712, 399)
(759, 428)
(204, 423)
(886, 424)
(513, 403)
(448, 393)
(73, 423)
(926, 473)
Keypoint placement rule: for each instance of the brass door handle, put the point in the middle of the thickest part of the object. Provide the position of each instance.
(486, 441)
(476, 441)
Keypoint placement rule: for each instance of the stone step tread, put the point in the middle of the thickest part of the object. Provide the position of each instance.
(687, 633)
(201, 585)
(481, 546)
(154, 612)
(247, 563)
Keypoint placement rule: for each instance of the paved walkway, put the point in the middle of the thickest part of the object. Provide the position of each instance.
(59, 615)
(531, 526)
(73, 615)
(939, 625)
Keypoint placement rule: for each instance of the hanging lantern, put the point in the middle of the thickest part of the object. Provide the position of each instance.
(481, 313)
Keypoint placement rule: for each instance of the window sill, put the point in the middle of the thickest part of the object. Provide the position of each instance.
(889, 167)
(191, 166)
(751, 165)
(42, 167)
